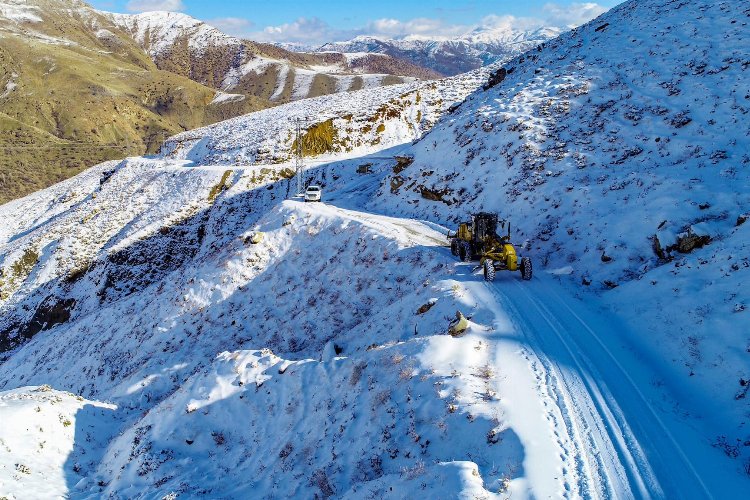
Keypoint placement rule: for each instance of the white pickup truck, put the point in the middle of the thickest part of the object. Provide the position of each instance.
(313, 193)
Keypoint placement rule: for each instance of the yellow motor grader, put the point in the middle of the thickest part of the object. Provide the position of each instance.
(479, 240)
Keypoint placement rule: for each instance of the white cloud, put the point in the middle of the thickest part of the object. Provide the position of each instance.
(314, 31)
(570, 16)
(153, 5)
(508, 23)
(420, 26)
(304, 30)
(235, 26)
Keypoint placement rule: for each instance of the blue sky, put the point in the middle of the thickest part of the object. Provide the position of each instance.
(330, 20)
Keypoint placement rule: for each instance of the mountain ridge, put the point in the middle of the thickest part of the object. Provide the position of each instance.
(451, 56)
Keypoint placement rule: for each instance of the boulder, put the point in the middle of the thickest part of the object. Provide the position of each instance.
(496, 78)
(690, 241)
(364, 168)
(459, 325)
(401, 163)
(254, 238)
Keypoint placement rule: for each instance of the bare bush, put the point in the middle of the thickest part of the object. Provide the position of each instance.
(415, 471)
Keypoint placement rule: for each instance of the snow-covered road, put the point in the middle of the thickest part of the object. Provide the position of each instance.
(629, 434)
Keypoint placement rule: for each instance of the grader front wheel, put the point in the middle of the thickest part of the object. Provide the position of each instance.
(526, 268)
(489, 270)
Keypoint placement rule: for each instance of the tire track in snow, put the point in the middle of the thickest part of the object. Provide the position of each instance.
(552, 400)
(630, 476)
(594, 478)
(662, 445)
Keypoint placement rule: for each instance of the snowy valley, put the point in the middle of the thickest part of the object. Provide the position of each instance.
(182, 325)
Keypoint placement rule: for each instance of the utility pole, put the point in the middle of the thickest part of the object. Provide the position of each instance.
(298, 159)
(299, 152)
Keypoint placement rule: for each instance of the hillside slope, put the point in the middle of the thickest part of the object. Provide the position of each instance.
(341, 359)
(345, 124)
(628, 171)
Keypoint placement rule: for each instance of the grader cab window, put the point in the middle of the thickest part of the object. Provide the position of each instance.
(485, 226)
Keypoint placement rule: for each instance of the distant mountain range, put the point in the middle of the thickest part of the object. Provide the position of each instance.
(478, 48)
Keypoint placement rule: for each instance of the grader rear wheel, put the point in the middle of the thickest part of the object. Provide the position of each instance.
(489, 270)
(454, 247)
(465, 251)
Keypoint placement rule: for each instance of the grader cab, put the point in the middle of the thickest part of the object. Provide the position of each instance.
(478, 239)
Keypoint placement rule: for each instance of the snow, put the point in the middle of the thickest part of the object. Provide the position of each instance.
(280, 83)
(303, 81)
(317, 361)
(344, 83)
(562, 271)
(223, 97)
(44, 436)
(372, 81)
(159, 31)
(353, 57)
(19, 12)
(255, 65)
(170, 439)
(10, 86)
(105, 33)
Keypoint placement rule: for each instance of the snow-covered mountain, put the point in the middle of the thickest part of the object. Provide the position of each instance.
(477, 48)
(195, 323)
(184, 45)
(621, 154)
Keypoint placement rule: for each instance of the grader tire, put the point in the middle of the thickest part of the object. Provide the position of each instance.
(454, 247)
(465, 252)
(526, 269)
(489, 270)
